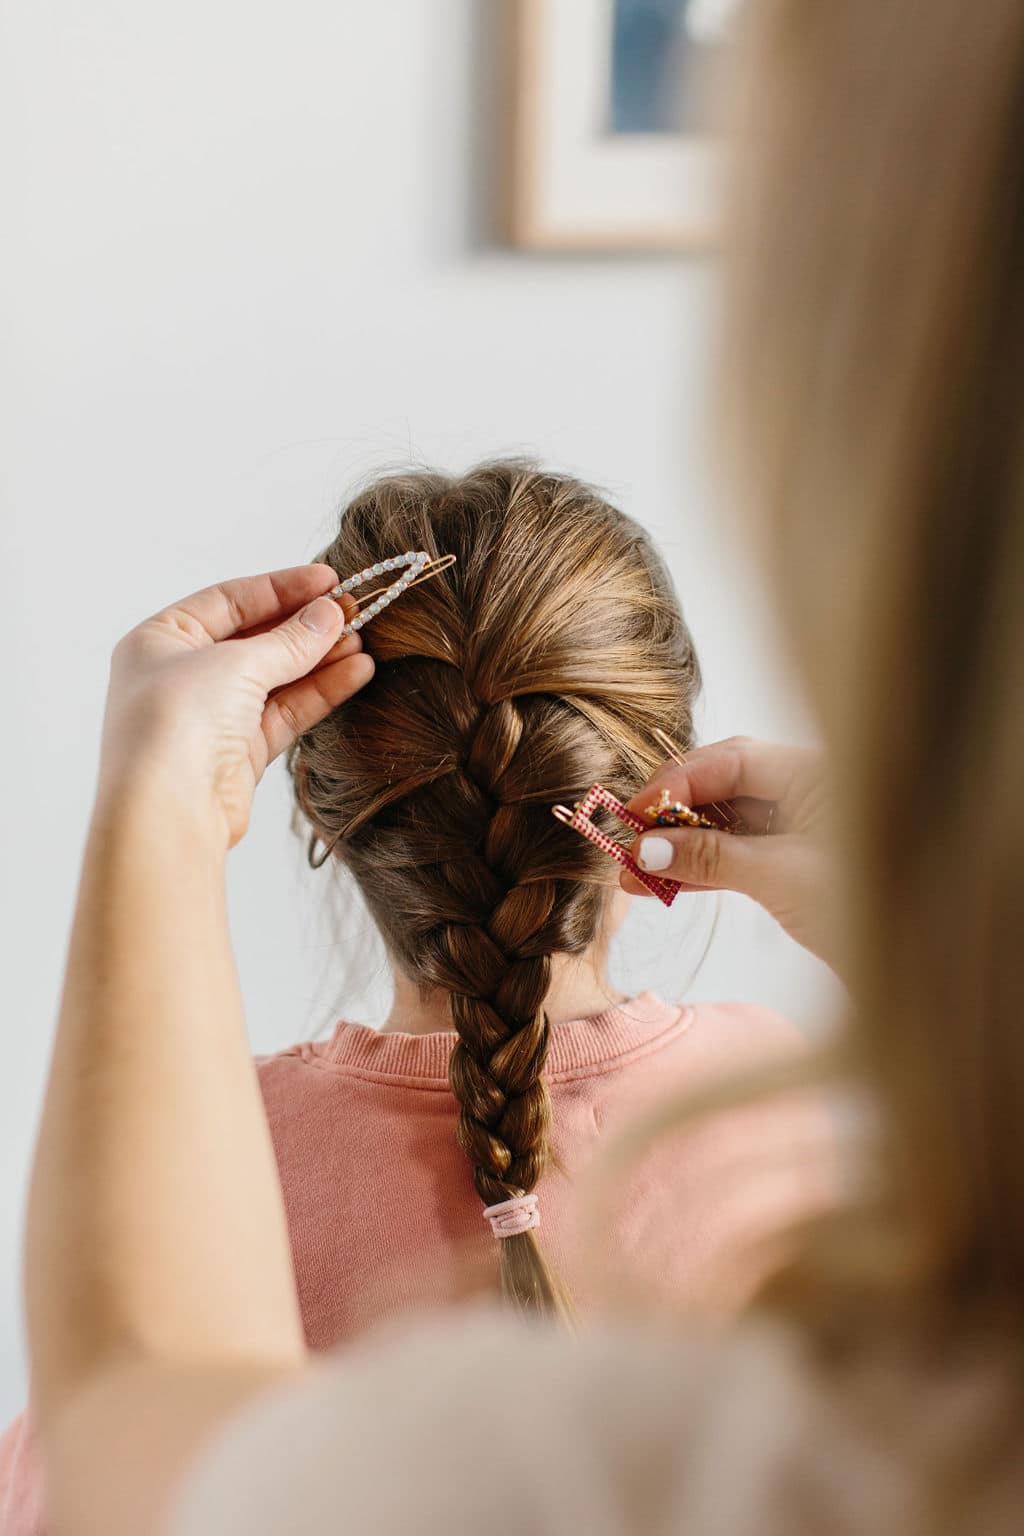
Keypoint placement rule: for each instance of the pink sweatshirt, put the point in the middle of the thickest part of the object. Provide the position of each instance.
(384, 1217)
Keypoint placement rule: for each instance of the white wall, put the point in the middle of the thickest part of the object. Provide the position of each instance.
(246, 264)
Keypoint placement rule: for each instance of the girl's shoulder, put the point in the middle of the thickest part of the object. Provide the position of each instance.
(703, 1040)
(742, 1031)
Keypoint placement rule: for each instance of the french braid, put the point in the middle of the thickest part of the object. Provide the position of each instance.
(540, 663)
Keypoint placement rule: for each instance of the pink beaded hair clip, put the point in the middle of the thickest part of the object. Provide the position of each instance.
(417, 566)
(665, 812)
(579, 819)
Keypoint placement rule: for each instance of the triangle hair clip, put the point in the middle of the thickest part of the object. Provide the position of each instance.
(579, 819)
(413, 567)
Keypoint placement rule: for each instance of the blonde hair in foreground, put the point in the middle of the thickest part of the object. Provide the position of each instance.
(543, 660)
(875, 389)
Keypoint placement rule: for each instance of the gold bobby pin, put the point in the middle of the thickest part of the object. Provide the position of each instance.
(673, 749)
(417, 566)
(678, 756)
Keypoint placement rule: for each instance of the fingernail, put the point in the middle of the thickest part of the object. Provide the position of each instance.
(654, 853)
(321, 616)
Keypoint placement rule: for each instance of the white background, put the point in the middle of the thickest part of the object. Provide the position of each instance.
(248, 262)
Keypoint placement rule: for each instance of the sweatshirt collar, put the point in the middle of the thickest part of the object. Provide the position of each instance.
(578, 1046)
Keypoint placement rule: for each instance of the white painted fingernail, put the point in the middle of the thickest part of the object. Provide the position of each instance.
(655, 853)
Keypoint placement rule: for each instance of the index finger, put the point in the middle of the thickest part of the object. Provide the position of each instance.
(231, 607)
(726, 770)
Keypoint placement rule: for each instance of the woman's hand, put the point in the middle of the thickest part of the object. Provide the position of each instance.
(154, 1164)
(206, 693)
(780, 859)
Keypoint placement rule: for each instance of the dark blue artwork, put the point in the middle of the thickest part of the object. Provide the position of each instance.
(656, 68)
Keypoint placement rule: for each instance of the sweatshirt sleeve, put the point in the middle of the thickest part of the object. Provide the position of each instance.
(21, 1492)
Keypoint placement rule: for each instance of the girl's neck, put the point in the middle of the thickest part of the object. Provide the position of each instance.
(579, 987)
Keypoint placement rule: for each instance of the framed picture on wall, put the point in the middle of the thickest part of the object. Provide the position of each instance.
(610, 148)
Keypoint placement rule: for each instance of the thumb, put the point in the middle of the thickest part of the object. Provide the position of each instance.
(697, 856)
(288, 651)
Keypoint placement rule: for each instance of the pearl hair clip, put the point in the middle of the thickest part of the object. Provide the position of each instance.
(416, 565)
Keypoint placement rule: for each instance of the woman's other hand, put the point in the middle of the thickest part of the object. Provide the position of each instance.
(206, 693)
(780, 858)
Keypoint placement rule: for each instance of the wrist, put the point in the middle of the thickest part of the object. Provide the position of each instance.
(148, 800)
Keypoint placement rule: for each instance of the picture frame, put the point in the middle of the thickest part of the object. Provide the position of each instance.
(576, 183)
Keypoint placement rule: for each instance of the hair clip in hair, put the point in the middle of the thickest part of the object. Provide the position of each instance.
(417, 566)
(579, 819)
(730, 821)
(673, 813)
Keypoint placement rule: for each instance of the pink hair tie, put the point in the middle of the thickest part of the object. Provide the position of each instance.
(511, 1217)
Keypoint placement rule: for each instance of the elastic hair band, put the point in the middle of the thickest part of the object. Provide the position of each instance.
(510, 1217)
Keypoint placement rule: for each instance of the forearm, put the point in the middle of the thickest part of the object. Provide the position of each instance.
(154, 1183)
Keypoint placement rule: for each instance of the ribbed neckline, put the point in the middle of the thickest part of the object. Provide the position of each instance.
(576, 1044)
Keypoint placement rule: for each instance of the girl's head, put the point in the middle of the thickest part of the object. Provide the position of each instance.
(541, 662)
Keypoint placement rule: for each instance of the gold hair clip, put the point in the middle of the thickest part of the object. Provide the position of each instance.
(673, 813)
(733, 823)
(416, 564)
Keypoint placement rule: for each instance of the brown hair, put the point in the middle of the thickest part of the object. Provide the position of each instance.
(876, 388)
(541, 662)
